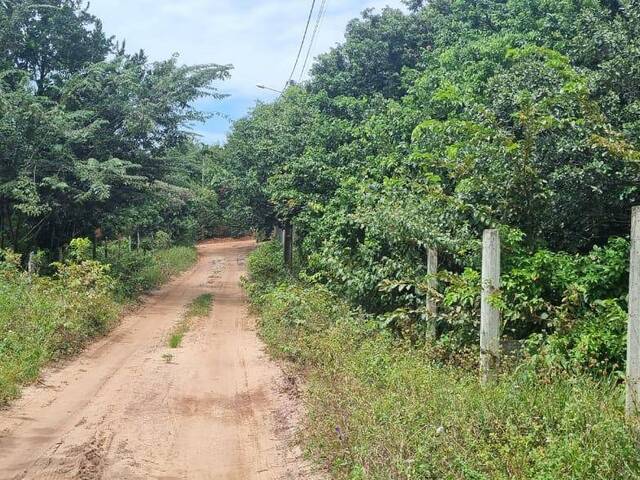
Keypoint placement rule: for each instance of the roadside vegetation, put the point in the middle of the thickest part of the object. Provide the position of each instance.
(421, 130)
(48, 317)
(425, 128)
(199, 308)
(380, 406)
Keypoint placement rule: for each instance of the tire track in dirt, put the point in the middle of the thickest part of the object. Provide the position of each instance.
(131, 408)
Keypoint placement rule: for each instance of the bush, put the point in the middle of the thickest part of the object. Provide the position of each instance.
(137, 270)
(266, 267)
(380, 407)
(569, 307)
(161, 240)
(44, 318)
(167, 263)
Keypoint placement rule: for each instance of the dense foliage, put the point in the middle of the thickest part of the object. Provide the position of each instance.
(95, 140)
(380, 407)
(425, 128)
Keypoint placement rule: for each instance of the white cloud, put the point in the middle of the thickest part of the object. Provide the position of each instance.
(260, 38)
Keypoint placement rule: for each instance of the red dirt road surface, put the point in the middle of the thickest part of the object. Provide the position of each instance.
(132, 408)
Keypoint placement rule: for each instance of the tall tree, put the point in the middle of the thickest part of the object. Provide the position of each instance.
(50, 39)
(376, 49)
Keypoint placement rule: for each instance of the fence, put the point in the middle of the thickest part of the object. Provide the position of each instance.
(633, 336)
(490, 318)
(285, 235)
(490, 321)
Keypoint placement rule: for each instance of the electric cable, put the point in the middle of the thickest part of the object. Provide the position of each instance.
(321, 13)
(304, 38)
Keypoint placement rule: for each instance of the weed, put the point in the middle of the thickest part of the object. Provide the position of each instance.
(199, 308)
(167, 357)
(176, 339)
(137, 271)
(42, 319)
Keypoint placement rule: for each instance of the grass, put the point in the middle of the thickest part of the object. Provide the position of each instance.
(138, 271)
(166, 264)
(176, 338)
(379, 408)
(199, 308)
(42, 319)
(45, 318)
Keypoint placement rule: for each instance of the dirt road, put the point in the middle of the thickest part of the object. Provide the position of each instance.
(131, 408)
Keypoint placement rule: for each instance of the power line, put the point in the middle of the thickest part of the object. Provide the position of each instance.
(304, 38)
(321, 14)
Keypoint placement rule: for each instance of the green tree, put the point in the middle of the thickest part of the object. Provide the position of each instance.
(50, 39)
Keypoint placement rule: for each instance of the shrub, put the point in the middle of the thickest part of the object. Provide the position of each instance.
(44, 318)
(166, 263)
(380, 407)
(569, 307)
(266, 267)
(137, 270)
(161, 240)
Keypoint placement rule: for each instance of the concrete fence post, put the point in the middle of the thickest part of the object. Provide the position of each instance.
(31, 265)
(489, 315)
(633, 335)
(432, 306)
(288, 245)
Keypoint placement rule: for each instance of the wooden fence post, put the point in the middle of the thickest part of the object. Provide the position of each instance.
(432, 306)
(489, 315)
(633, 335)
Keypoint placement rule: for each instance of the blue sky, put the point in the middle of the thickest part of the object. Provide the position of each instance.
(260, 38)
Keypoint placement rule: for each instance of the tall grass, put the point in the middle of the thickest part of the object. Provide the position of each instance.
(380, 408)
(137, 271)
(45, 318)
(42, 319)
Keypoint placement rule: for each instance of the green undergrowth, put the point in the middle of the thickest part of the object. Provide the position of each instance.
(381, 408)
(137, 271)
(45, 318)
(199, 308)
